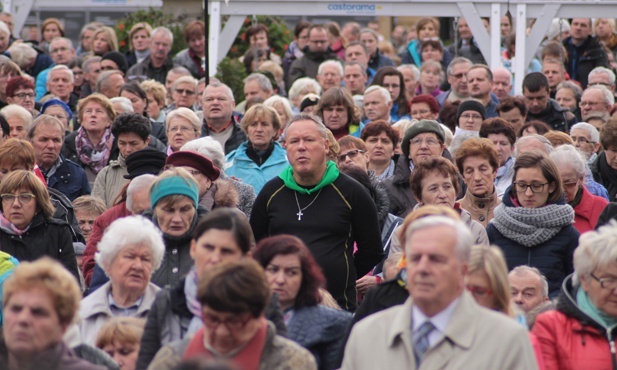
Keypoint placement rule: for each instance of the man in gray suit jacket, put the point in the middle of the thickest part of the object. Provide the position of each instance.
(440, 326)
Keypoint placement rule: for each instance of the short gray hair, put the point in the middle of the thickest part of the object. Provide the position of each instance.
(122, 233)
(605, 71)
(384, 93)
(103, 78)
(336, 63)
(588, 128)
(162, 29)
(524, 270)
(140, 183)
(263, 81)
(301, 84)
(277, 99)
(44, 119)
(209, 148)
(186, 114)
(352, 63)
(455, 61)
(60, 38)
(230, 93)
(185, 79)
(125, 104)
(567, 156)
(523, 139)
(414, 70)
(17, 111)
(595, 249)
(464, 238)
(609, 98)
(323, 131)
(578, 92)
(86, 64)
(22, 54)
(61, 67)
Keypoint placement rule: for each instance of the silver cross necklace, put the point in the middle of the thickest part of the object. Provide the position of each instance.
(300, 214)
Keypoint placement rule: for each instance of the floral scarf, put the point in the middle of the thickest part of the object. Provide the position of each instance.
(8, 227)
(95, 157)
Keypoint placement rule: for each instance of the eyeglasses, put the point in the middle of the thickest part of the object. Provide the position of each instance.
(351, 154)
(589, 103)
(479, 291)
(182, 129)
(24, 95)
(521, 187)
(458, 76)
(606, 283)
(475, 117)
(570, 183)
(185, 92)
(58, 50)
(597, 84)
(420, 112)
(24, 198)
(232, 324)
(428, 142)
(580, 139)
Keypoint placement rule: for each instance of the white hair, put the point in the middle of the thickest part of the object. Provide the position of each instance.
(384, 93)
(596, 249)
(464, 238)
(228, 90)
(185, 79)
(121, 233)
(567, 156)
(64, 39)
(263, 81)
(594, 135)
(335, 63)
(61, 67)
(22, 54)
(277, 99)
(609, 98)
(523, 139)
(186, 114)
(162, 29)
(300, 85)
(140, 183)
(125, 104)
(414, 70)
(209, 148)
(17, 111)
(524, 270)
(605, 71)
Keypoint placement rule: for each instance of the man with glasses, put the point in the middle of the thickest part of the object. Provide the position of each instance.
(184, 93)
(317, 52)
(61, 51)
(158, 63)
(541, 107)
(586, 139)
(457, 78)
(597, 99)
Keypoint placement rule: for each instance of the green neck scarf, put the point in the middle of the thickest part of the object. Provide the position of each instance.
(328, 178)
(585, 304)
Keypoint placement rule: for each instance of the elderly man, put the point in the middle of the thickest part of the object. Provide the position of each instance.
(377, 104)
(312, 193)
(219, 122)
(586, 139)
(528, 286)
(158, 63)
(60, 83)
(47, 135)
(329, 74)
(351, 31)
(257, 87)
(596, 99)
(541, 107)
(555, 73)
(91, 69)
(317, 51)
(440, 325)
(584, 51)
(602, 76)
(19, 120)
(109, 83)
(457, 78)
(184, 93)
(502, 83)
(62, 51)
(354, 75)
(480, 81)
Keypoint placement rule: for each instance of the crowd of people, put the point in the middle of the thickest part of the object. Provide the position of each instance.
(376, 201)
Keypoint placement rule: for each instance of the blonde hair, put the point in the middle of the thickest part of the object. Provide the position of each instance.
(157, 89)
(260, 111)
(136, 28)
(100, 99)
(490, 260)
(124, 330)
(27, 180)
(112, 39)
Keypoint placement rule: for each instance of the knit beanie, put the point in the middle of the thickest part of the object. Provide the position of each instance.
(473, 105)
(174, 185)
(117, 58)
(52, 102)
(420, 127)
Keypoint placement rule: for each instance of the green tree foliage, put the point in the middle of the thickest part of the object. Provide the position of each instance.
(156, 18)
(280, 36)
(232, 73)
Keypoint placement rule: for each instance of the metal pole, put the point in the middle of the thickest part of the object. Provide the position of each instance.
(207, 30)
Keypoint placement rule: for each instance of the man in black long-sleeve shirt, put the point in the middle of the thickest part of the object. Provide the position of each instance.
(326, 209)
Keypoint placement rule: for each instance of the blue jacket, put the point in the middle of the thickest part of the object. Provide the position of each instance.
(70, 179)
(553, 257)
(242, 167)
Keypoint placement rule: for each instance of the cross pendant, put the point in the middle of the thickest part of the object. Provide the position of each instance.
(299, 215)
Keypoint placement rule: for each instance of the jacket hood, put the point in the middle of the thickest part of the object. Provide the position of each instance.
(401, 171)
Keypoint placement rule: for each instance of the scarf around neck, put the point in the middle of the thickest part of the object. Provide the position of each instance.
(95, 157)
(532, 226)
(190, 294)
(328, 178)
(8, 227)
(585, 304)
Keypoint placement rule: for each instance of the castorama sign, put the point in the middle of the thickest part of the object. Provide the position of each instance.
(353, 8)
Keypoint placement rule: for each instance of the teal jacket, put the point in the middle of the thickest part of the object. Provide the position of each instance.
(240, 166)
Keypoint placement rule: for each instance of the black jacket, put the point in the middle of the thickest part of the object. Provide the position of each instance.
(592, 56)
(145, 68)
(237, 136)
(554, 115)
(308, 64)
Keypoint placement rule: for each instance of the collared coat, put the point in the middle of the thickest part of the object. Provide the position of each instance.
(240, 166)
(480, 209)
(474, 338)
(110, 181)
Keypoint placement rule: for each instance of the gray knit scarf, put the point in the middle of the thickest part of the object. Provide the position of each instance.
(532, 226)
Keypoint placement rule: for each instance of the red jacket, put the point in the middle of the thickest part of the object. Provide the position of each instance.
(587, 212)
(571, 340)
(100, 224)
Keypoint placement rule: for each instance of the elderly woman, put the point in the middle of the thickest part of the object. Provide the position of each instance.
(120, 338)
(223, 236)
(132, 132)
(501, 133)
(236, 295)
(182, 125)
(587, 207)
(282, 107)
(604, 169)
(92, 144)
(478, 161)
(128, 258)
(339, 114)
(533, 225)
(381, 141)
(27, 228)
(139, 43)
(300, 88)
(39, 302)
(578, 334)
(19, 120)
(59, 109)
(294, 275)
(157, 96)
(435, 181)
(261, 158)
(392, 80)
(424, 106)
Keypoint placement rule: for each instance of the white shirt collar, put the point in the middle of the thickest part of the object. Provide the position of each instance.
(440, 320)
